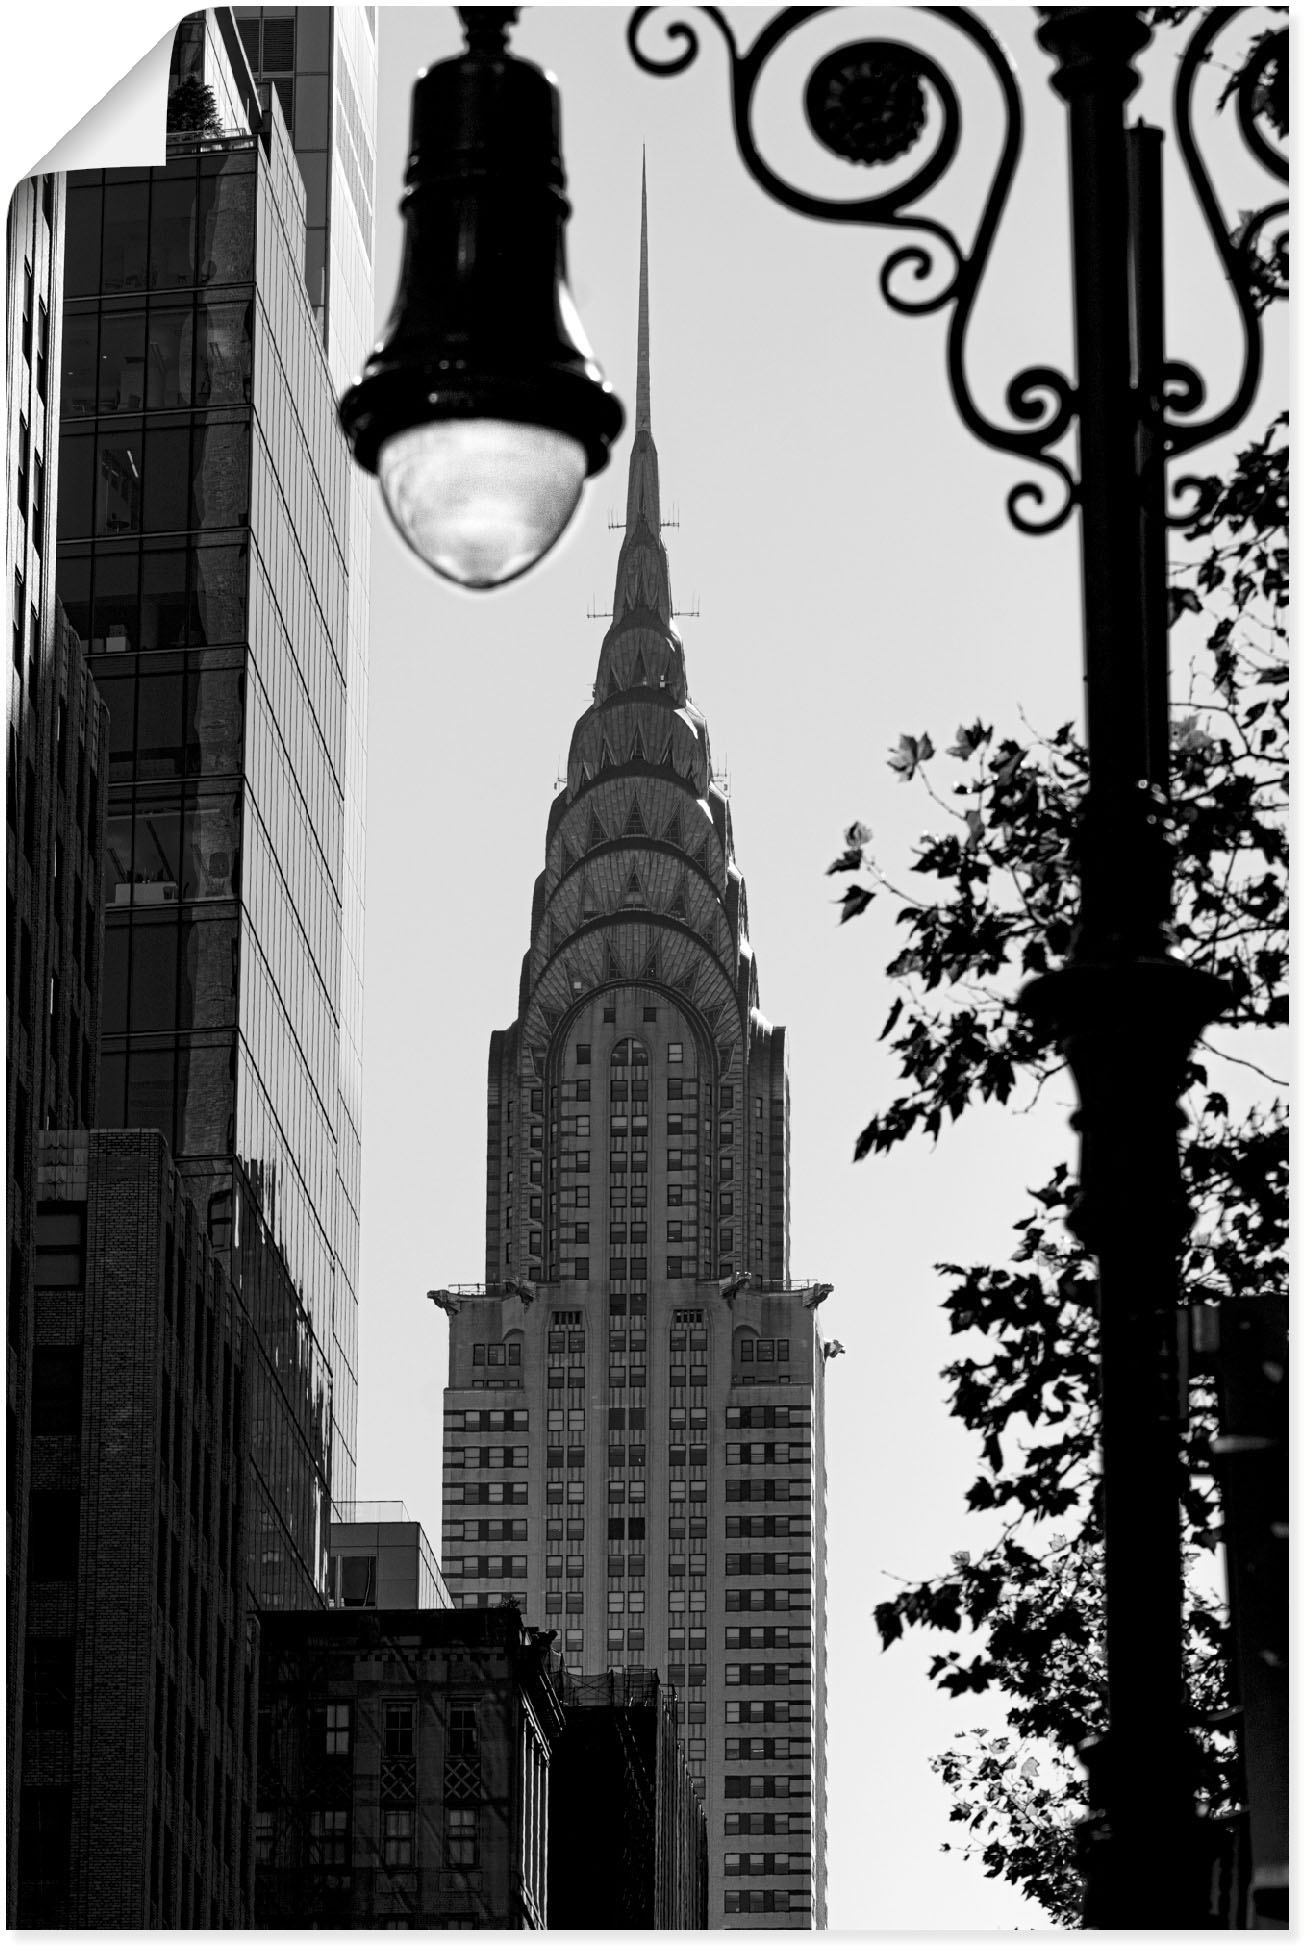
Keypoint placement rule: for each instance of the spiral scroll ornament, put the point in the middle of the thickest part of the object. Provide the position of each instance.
(874, 102)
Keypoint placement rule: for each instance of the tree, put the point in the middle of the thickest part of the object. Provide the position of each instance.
(192, 109)
(999, 908)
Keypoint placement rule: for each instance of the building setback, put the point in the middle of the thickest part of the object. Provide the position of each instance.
(627, 1846)
(403, 1770)
(648, 1477)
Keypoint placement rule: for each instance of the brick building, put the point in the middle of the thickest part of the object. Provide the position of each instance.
(403, 1770)
(627, 1844)
(136, 1777)
(648, 1477)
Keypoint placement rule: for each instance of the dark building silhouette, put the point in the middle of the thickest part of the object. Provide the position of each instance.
(136, 1775)
(56, 797)
(182, 1282)
(634, 1419)
(403, 1761)
(627, 1845)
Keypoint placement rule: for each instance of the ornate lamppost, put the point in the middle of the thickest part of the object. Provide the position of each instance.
(1124, 1010)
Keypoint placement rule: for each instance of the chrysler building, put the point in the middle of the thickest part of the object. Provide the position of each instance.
(649, 1479)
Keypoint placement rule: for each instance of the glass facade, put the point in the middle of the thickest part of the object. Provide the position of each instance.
(320, 63)
(207, 555)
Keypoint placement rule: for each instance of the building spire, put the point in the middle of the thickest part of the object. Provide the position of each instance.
(643, 398)
(643, 573)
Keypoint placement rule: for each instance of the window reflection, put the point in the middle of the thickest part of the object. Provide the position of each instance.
(220, 473)
(116, 611)
(80, 362)
(117, 500)
(215, 720)
(172, 232)
(166, 503)
(219, 581)
(76, 483)
(122, 361)
(153, 977)
(206, 1098)
(171, 349)
(225, 220)
(224, 361)
(82, 231)
(163, 598)
(151, 1074)
(126, 230)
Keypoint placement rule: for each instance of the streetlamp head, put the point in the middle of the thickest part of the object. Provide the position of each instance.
(483, 409)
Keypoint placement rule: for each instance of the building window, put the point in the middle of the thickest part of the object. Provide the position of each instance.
(328, 1832)
(675, 1051)
(397, 1834)
(463, 1846)
(398, 1729)
(338, 1723)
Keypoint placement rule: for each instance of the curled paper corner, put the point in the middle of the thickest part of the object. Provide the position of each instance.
(127, 128)
(84, 86)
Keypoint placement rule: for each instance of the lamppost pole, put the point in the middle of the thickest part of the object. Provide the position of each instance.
(1123, 1010)
(1127, 1014)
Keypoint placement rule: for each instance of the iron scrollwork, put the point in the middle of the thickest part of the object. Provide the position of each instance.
(870, 102)
(1185, 391)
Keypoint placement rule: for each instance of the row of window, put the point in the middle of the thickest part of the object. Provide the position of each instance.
(767, 1900)
(766, 1453)
(766, 1863)
(766, 1822)
(760, 1785)
(761, 1750)
(767, 1564)
(330, 1837)
(766, 1416)
(755, 1674)
(487, 1493)
(486, 1456)
(513, 1420)
(497, 1355)
(768, 1489)
(769, 1710)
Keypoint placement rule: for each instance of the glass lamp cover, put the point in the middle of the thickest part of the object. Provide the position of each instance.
(481, 500)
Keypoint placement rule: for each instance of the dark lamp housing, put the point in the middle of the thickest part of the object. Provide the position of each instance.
(482, 409)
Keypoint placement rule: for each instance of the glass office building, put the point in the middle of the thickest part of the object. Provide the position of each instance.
(212, 551)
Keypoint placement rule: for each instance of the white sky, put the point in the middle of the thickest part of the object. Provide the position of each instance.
(847, 543)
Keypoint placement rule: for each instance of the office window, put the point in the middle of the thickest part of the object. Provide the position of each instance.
(328, 1834)
(396, 1828)
(463, 1837)
(338, 1723)
(675, 1051)
(398, 1729)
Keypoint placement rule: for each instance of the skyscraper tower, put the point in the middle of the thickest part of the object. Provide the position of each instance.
(657, 1376)
(213, 556)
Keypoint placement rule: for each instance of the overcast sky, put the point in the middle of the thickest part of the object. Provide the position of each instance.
(847, 546)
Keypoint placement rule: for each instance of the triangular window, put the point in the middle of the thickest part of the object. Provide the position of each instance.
(634, 826)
